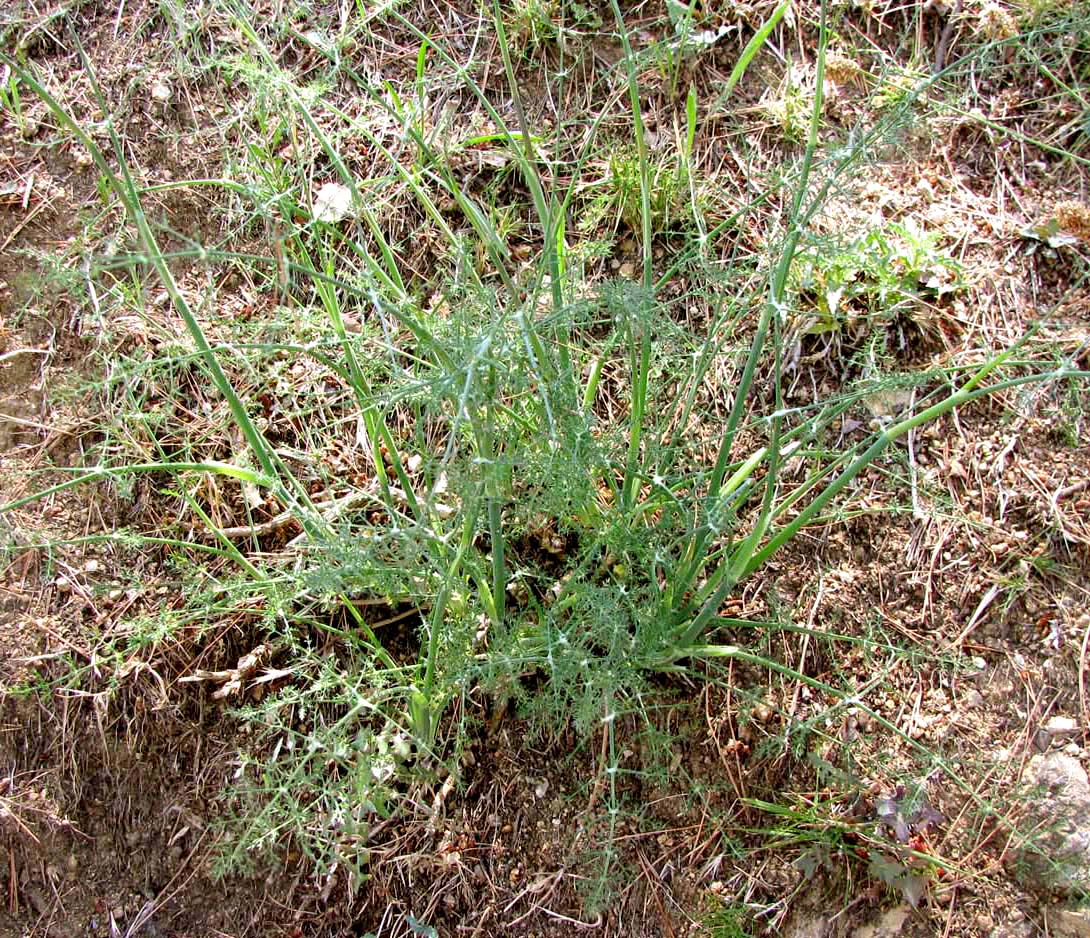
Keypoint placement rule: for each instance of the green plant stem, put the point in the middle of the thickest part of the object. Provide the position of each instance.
(695, 554)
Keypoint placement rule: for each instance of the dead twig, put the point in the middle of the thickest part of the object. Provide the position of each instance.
(943, 46)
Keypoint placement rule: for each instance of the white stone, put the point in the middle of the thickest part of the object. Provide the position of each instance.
(1062, 726)
(1055, 857)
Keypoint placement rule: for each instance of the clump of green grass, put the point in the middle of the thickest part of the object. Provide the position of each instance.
(499, 485)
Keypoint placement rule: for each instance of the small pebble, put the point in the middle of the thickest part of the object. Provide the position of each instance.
(973, 699)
